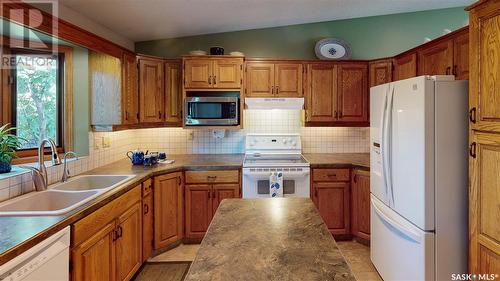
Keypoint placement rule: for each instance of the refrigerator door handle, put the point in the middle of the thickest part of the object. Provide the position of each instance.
(385, 147)
(389, 145)
(396, 225)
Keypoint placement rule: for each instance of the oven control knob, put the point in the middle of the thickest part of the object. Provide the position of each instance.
(294, 143)
(285, 141)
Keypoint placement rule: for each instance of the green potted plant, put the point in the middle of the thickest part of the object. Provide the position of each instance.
(8, 145)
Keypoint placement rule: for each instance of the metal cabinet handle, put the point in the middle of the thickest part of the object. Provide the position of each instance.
(159, 113)
(315, 191)
(179, 181)
(448, 69)
(146, 209)
(209, 80)
(209, 193)
(472, 150)
(455, 67)
(277, 90)
(331, 175)
(336, 114)
(272, 90)
(126, 115)
(472, 115)
(211, 178)
(214, 79)
(340, 114)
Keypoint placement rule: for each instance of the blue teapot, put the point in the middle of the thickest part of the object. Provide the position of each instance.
(136, 156)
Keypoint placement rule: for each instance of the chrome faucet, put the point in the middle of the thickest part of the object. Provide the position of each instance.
(65, 175)
(40, 178)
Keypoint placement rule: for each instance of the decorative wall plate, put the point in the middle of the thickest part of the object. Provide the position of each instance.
(332, 49)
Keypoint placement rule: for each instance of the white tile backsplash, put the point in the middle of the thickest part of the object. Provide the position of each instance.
(191, 141)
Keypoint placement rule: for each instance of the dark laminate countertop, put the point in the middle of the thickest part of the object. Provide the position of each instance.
(326, 160)
(19, 233)
(268, 239)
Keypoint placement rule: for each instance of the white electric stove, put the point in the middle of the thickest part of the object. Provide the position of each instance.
(267, 153)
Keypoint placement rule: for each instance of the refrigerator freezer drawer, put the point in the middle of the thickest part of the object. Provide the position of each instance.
(399, 250)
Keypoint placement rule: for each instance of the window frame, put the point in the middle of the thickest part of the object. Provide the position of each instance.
(66, 104)
(60, 98)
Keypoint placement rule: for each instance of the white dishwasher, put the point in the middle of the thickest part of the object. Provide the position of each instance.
(46, 261)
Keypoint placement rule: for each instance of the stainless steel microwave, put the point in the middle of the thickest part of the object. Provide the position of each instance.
(212, 111)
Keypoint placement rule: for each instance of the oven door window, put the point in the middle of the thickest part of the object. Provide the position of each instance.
(211, 110)
(263, 187)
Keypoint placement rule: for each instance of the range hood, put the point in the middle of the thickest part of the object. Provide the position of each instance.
(274, 103)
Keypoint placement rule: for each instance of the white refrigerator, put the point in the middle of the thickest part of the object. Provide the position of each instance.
(418, 183)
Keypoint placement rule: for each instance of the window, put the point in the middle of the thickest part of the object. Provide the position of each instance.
(36, 94)
(37, 99)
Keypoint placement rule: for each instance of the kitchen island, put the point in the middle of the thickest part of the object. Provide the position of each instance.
(268, 239)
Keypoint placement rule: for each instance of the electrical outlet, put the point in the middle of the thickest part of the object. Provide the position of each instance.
(106, 142)
(190, 135)
(97, 143)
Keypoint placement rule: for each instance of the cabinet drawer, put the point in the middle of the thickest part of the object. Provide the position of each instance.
(330, 175)
(147, 186)
(228, 176)
(91, 224)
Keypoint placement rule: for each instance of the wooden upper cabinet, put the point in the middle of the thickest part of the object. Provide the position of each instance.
(321, 93)
(259, 79)
(227, 73)
(169, 206)
(213, 72)
(380, 72)
(484, 202)
(360, 191)
(198, 73)
(151, 90)
(436, 59)
(173, 92)
(130, 93)
(272, 79)
(94, 259)
(129, 243)
(405, 66)
(198, 209)
(288, 79)
(484, 85)
(461, 56)
(353, 92)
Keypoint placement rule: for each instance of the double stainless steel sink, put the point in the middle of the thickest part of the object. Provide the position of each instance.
(63, 197)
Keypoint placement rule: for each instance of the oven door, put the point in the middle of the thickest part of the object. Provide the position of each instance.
(295, 182)
(212, 111)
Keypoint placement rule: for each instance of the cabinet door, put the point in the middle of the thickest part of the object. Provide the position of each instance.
(223, 191)
(288, 79)
(259, 79)
(360, 188)
(461, 56)
(484, 85)
(173, 92)
(168, 201)
(405, 66)
(94, 259)
(198, 73)
(353, 93)
(321, 93)
(436, 59)
(380, 72)
(147, 226)
(332, 201)
(151, 90)
(198, 209)
(130, 93)
(129, 243)
(227, 73)
(484, 202)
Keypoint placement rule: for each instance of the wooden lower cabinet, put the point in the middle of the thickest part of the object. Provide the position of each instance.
(147, 219)
(204, 190)
(107, 244)
(129, 243)
(360, 195)
(168, 209)
(94, 259)
(198, 209)
(331, 196)
(484, 202)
